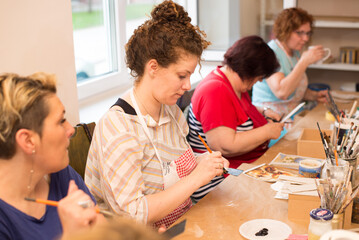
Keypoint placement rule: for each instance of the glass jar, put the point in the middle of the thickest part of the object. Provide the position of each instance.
(338, 221)
(320, 223)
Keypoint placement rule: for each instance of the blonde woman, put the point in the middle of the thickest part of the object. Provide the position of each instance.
(34, 137)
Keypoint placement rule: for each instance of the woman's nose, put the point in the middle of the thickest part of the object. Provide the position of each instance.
(70, 129)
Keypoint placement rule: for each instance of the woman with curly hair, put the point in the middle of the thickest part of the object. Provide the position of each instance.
(285, 89)
(139, 160)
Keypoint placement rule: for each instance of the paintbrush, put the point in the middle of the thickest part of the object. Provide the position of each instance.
(85, 204)
(356, 129)
(335, 107)
(326, 150)
(336, 157)
(232, 171)
(204, 143)
(352, 196)
(352, 109)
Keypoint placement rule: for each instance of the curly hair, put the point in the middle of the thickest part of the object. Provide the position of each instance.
(22, 105)
(251, 57)
(164, 37)
(289, 20)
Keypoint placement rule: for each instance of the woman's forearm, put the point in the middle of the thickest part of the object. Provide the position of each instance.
(283, 86)
(231, 143)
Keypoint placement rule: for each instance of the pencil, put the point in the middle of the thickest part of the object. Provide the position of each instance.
(204, 143)
(56, 204)
(47, 202)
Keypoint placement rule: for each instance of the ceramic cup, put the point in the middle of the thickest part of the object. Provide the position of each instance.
(310, 168)
(326, 56)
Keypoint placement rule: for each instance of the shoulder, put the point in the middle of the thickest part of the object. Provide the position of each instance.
(60, 180)
(210, 88)
(178, 115)
(114, 122)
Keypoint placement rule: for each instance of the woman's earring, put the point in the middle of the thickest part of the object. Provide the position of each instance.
(33, 152)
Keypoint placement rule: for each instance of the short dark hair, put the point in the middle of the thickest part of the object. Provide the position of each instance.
(251, 57)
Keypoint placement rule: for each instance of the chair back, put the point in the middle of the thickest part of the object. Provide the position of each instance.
(185, 100)
(79, 146)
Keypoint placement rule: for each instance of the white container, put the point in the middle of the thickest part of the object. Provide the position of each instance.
(320, 223)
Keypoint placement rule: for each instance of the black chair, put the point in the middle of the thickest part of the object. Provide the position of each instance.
(185, 100)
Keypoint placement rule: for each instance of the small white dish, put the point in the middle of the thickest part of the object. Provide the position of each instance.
(277, 230)
(340, 235)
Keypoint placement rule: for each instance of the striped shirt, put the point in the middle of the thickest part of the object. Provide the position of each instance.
(122, 167)
(196, 127)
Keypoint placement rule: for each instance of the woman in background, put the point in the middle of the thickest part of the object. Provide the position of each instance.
(139, 160)
(221, 110)
(34, 137)
(288, 87)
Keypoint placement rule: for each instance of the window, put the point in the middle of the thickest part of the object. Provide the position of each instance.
(99, 38)
(220, 22)
(101, 30)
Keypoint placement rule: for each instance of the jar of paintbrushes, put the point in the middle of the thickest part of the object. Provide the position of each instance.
(346, 140)
(335, 191)
(343, 145)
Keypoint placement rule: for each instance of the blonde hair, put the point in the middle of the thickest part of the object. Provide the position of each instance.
(22, 105)
(289, 20)
(120, 228)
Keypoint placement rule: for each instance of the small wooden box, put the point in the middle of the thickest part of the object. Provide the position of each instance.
(299, 207)
(310, 143)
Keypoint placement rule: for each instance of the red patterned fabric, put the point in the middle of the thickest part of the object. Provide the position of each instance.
(173, 216)
(185, 163)
(184, 166)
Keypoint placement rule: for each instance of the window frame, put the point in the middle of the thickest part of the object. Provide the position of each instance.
(208, 55)
(120, 77)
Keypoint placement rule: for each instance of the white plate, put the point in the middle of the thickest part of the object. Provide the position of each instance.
(276, 230)
(340, 235)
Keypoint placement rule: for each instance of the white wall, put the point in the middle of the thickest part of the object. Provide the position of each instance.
(36, 35)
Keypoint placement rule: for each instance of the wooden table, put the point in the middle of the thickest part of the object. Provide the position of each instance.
(240, 199)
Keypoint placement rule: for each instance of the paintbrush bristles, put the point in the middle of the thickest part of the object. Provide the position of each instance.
(335, 195)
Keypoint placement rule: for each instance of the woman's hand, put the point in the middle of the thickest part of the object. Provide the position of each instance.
(209, 166)
(313, 55)
(274, 129)
(271, 115)
(319, 96)
(73, 217)
(322, 96)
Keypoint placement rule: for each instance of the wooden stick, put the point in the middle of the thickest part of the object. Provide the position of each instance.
(353, 108)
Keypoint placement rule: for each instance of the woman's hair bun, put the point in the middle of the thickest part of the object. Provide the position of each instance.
(168, 11)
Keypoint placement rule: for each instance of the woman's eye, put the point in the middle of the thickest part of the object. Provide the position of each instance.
(63, 120)
(182, 77)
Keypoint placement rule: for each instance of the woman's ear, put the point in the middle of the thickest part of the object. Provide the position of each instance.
(152, 67)
(25, 139)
